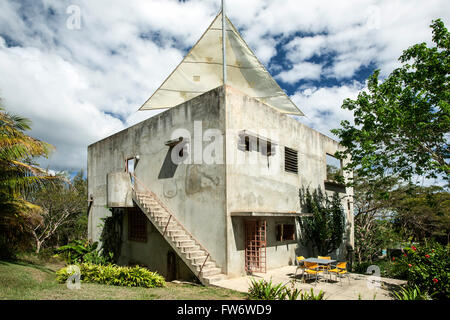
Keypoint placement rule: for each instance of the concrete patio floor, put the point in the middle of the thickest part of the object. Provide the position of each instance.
(358, 288)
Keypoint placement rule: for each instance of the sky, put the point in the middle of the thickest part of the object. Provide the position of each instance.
(80, 69)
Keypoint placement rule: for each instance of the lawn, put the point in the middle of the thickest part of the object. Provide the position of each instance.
(37, 281)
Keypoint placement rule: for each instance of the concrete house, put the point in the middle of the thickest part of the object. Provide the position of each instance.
(209, 188)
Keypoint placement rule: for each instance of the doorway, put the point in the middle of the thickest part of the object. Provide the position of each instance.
(255, 246)
(171, 266)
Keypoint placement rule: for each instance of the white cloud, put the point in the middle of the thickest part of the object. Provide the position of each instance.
(322, 106)
(303, 70)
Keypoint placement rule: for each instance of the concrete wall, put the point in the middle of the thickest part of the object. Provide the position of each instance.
(194, 192)
(265, 186)
(151, 253)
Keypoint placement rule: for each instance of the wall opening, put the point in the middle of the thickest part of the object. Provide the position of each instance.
(334, 168)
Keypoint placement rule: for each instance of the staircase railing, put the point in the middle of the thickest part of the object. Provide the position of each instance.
(171, 215)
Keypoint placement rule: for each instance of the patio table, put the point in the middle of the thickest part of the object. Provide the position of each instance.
(320, 261)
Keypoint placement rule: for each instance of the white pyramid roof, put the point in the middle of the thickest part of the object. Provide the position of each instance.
(201, 71)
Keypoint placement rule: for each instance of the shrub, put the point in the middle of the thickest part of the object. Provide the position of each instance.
(114, 275)
(79, 251)
(428, 268)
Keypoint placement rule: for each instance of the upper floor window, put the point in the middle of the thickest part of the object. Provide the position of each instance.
(253, 142)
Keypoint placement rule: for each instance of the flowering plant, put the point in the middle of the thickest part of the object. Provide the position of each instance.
(428, 267)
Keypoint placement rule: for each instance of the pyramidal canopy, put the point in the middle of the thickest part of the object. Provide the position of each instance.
(201, 71)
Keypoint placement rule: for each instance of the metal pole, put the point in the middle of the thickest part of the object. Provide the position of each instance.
(224, 51)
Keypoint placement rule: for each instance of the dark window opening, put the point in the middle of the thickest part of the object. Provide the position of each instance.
(137, 226)
(252, 142)
(285, 232)
(290, 160)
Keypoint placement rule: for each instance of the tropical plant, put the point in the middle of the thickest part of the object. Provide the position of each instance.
(312, 296)
(265, 290)
(80, 251)
(18, 175)
(411, 293)
(114, 275)
(325, 228)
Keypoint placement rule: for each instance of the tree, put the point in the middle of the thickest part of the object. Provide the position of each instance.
(402, 124)
(372, 216)
(324, 229)
(63, 205)
(18, 175)
(422, 213)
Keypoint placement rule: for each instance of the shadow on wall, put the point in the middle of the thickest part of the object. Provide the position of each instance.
(169, 167)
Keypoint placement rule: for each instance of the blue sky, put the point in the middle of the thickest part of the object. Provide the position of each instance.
(79, 85)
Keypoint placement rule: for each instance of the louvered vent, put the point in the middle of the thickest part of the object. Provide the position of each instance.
(290, 160)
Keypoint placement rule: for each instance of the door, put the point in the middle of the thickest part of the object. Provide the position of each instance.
(255, 246)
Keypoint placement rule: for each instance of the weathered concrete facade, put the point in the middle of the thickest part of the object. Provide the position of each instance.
(212, 197)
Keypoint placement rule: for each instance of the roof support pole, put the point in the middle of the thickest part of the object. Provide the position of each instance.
(224, 51)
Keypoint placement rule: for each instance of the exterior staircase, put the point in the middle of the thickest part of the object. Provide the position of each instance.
(189, 249)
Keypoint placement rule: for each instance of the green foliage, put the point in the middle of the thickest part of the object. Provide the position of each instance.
(428, 268)
(80, 251)
(324, 229)
(422, 212)
(111, 236)
(312, 296)
(265, 290)
(64, 212)
(114, 275)
(411, 293)
(18, 175)
(388, 268)
(401, 125)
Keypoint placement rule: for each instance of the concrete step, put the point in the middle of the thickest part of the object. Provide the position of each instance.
(195, 253)
(215, 278)
(210, 272)
(189, 248)
(208, 265)
(198, 260)
(174, 232)
(180, 237)
(184, 243)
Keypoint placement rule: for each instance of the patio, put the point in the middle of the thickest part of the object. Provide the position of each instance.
(359, 287)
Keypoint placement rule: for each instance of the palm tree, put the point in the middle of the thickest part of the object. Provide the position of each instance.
(18, 175)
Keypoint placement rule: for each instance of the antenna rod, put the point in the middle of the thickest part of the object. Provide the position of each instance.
(224, 52)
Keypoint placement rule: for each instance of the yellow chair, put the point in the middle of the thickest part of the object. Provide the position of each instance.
(312, 268)
(300, 265)
(324, 268)
(340, 270)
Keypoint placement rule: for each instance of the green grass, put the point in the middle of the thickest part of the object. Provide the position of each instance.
(25, 280)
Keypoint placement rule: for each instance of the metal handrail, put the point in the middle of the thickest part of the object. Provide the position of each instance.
(155, 197)
(201, 268)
